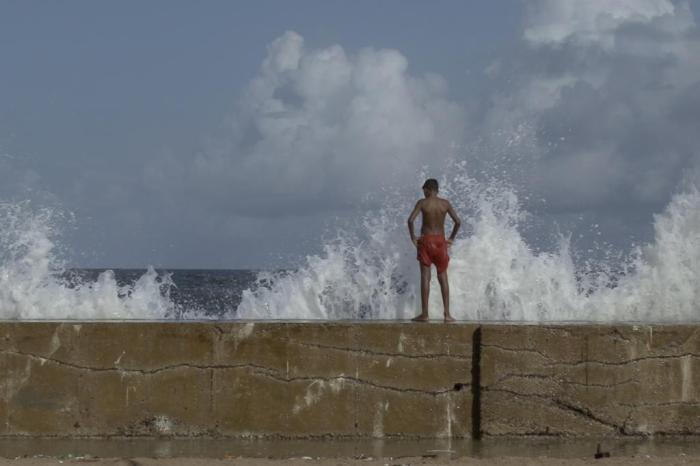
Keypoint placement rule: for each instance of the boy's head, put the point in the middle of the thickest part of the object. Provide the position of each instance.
(430, 186)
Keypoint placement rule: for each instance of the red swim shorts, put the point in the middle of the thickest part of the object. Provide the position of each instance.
(432, 249)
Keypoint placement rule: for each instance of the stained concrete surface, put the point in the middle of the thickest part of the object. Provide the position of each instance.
(234, 379)
(346, 380)
(590, 380)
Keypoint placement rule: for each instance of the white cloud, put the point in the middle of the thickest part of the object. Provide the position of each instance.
(595, 110)
(317, 128)
(590, 21)
(602, 86)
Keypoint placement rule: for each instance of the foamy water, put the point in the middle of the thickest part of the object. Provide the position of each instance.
(371, 273)
(31, 283)
(494, 274)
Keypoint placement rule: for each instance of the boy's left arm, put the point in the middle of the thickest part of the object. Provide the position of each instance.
(411, 219)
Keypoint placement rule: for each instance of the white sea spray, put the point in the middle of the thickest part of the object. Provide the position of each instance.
(33, 284)
(370, 272)
(494, 274)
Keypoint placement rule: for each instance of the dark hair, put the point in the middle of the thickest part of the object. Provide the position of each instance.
(431, 184)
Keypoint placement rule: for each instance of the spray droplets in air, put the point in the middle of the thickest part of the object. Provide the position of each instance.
(35, 285)
(368, 270)
(494, 274)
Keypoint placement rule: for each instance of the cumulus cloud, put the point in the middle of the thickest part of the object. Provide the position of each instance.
(593, 22)
(595, 110)
(318, 128)
(606, 91)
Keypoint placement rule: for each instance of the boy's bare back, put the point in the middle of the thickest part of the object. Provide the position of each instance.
(433, 212)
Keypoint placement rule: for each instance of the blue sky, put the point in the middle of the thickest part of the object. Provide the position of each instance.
(78, 69)
(122, 112)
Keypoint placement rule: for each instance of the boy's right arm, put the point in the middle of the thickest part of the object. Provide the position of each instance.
(455, 219)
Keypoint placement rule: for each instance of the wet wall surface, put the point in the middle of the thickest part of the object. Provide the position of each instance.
(334, 448)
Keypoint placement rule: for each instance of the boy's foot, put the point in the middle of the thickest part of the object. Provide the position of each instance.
(449, 319)
(420, 318)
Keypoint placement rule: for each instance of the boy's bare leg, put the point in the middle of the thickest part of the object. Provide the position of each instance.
(445, 289)
(424, 293)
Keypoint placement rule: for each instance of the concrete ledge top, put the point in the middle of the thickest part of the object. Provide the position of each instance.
(575, 323)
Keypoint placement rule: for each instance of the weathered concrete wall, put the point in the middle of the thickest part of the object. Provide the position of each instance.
(346, 379)
(235, 379)
(590, 380)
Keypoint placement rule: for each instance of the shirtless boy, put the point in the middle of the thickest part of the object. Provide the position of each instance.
(432, 245)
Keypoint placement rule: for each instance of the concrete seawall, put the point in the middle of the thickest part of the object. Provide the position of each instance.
(346, 379)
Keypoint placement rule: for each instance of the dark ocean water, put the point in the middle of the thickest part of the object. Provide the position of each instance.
(215, 293)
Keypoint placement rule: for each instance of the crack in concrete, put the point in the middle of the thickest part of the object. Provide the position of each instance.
(563, 405)
(661, 404)
(588, 414)
(600, 385)
(513, 375)
(514, 350)
(357, 380)
(256, 369)
(590, 361)
(622, 363)
(554, 379)
(132, 370)
(380, 353)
